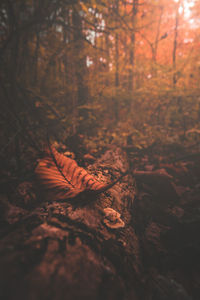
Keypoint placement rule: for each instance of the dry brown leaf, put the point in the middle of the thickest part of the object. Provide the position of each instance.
(62, 175)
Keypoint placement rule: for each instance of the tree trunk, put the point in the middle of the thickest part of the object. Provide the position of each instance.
(35, 58)
(115, 96)
(80, 70)
(175, 43)
(107, 81)
(116, 60)
(132, 48)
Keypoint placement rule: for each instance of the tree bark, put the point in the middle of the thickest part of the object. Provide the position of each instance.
(67, 250)
(132, 48)
(80, 70)
(175, 43)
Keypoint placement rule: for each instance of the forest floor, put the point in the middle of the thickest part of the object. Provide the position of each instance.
(162, 213)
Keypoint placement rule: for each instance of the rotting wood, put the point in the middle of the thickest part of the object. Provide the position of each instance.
(65, 250)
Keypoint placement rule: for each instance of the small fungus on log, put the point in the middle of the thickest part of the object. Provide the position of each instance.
(112, 218)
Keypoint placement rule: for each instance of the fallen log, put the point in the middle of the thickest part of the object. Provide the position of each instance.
(109, 246)
(76, 250)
